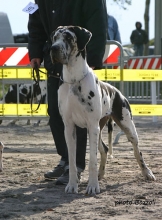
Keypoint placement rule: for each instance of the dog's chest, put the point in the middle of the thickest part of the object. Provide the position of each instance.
(84, 101)
(84, 97)
(81, 103)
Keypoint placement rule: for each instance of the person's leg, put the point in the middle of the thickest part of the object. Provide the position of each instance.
(141, 50)
(136, 50)
(57, 128)
(81, 148)
(55, 121)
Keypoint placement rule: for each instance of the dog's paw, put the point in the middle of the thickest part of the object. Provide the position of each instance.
(110, 156)
(71, 188)
(12, 123)
(93, 189)
(36, 124)
(101, 174)
(147, 173)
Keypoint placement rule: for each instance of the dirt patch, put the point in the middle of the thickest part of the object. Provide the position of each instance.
(29, 152)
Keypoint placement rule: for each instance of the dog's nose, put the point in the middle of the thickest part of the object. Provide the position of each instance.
(55, 48)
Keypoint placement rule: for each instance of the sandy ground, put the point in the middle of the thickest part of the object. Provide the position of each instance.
(29, 152)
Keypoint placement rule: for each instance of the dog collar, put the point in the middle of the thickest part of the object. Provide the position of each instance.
(73, 82)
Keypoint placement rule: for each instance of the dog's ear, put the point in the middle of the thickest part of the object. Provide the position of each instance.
(83, 36)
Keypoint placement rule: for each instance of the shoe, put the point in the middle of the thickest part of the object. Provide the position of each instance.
(55, 173)
(64, 178)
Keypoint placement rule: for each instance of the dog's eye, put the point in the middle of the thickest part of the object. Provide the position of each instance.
(67, 36)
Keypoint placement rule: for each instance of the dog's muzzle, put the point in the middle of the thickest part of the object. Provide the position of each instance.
(54, 52)
(57, 55)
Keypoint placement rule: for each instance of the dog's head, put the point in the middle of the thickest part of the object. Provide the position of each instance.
(68, 41)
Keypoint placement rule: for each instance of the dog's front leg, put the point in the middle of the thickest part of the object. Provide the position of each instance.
(93, 185)
(70, 136)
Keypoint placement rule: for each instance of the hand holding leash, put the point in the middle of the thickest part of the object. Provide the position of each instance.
(35, 60)
(35, 64)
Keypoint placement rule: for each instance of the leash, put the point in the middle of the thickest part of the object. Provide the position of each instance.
(36, 76)
(36, 79)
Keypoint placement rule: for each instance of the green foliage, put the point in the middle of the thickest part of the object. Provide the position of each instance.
(151, 42)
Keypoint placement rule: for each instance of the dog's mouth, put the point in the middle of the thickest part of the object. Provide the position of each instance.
(56, 58)
(57, 54)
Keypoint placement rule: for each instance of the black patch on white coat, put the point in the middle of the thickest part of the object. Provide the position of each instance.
(105, 147)
(79, 88)
(118, 104)
(25, 93)
(110, 126)
(11, 95)
(84, 101)
(142, 162)
(91, 93)
(96, 80)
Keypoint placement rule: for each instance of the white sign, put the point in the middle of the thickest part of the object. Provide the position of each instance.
(30, 8)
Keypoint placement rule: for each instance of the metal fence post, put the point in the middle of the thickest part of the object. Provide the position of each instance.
(121, 63)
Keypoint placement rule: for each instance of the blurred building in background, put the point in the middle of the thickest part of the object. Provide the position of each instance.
(6, 35)
(158, 27)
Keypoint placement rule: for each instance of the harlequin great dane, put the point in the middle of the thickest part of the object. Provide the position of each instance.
(87, 102)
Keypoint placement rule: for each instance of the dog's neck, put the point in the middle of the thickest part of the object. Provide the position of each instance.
(76, 69)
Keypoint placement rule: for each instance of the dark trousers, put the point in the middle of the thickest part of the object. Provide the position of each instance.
(57, 127)
(138, 49)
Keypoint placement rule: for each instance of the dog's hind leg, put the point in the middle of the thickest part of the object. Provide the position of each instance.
(110, 137)
(103, 149)
(127, 125)
(37, 123)
(13, 122)
(121, 114)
